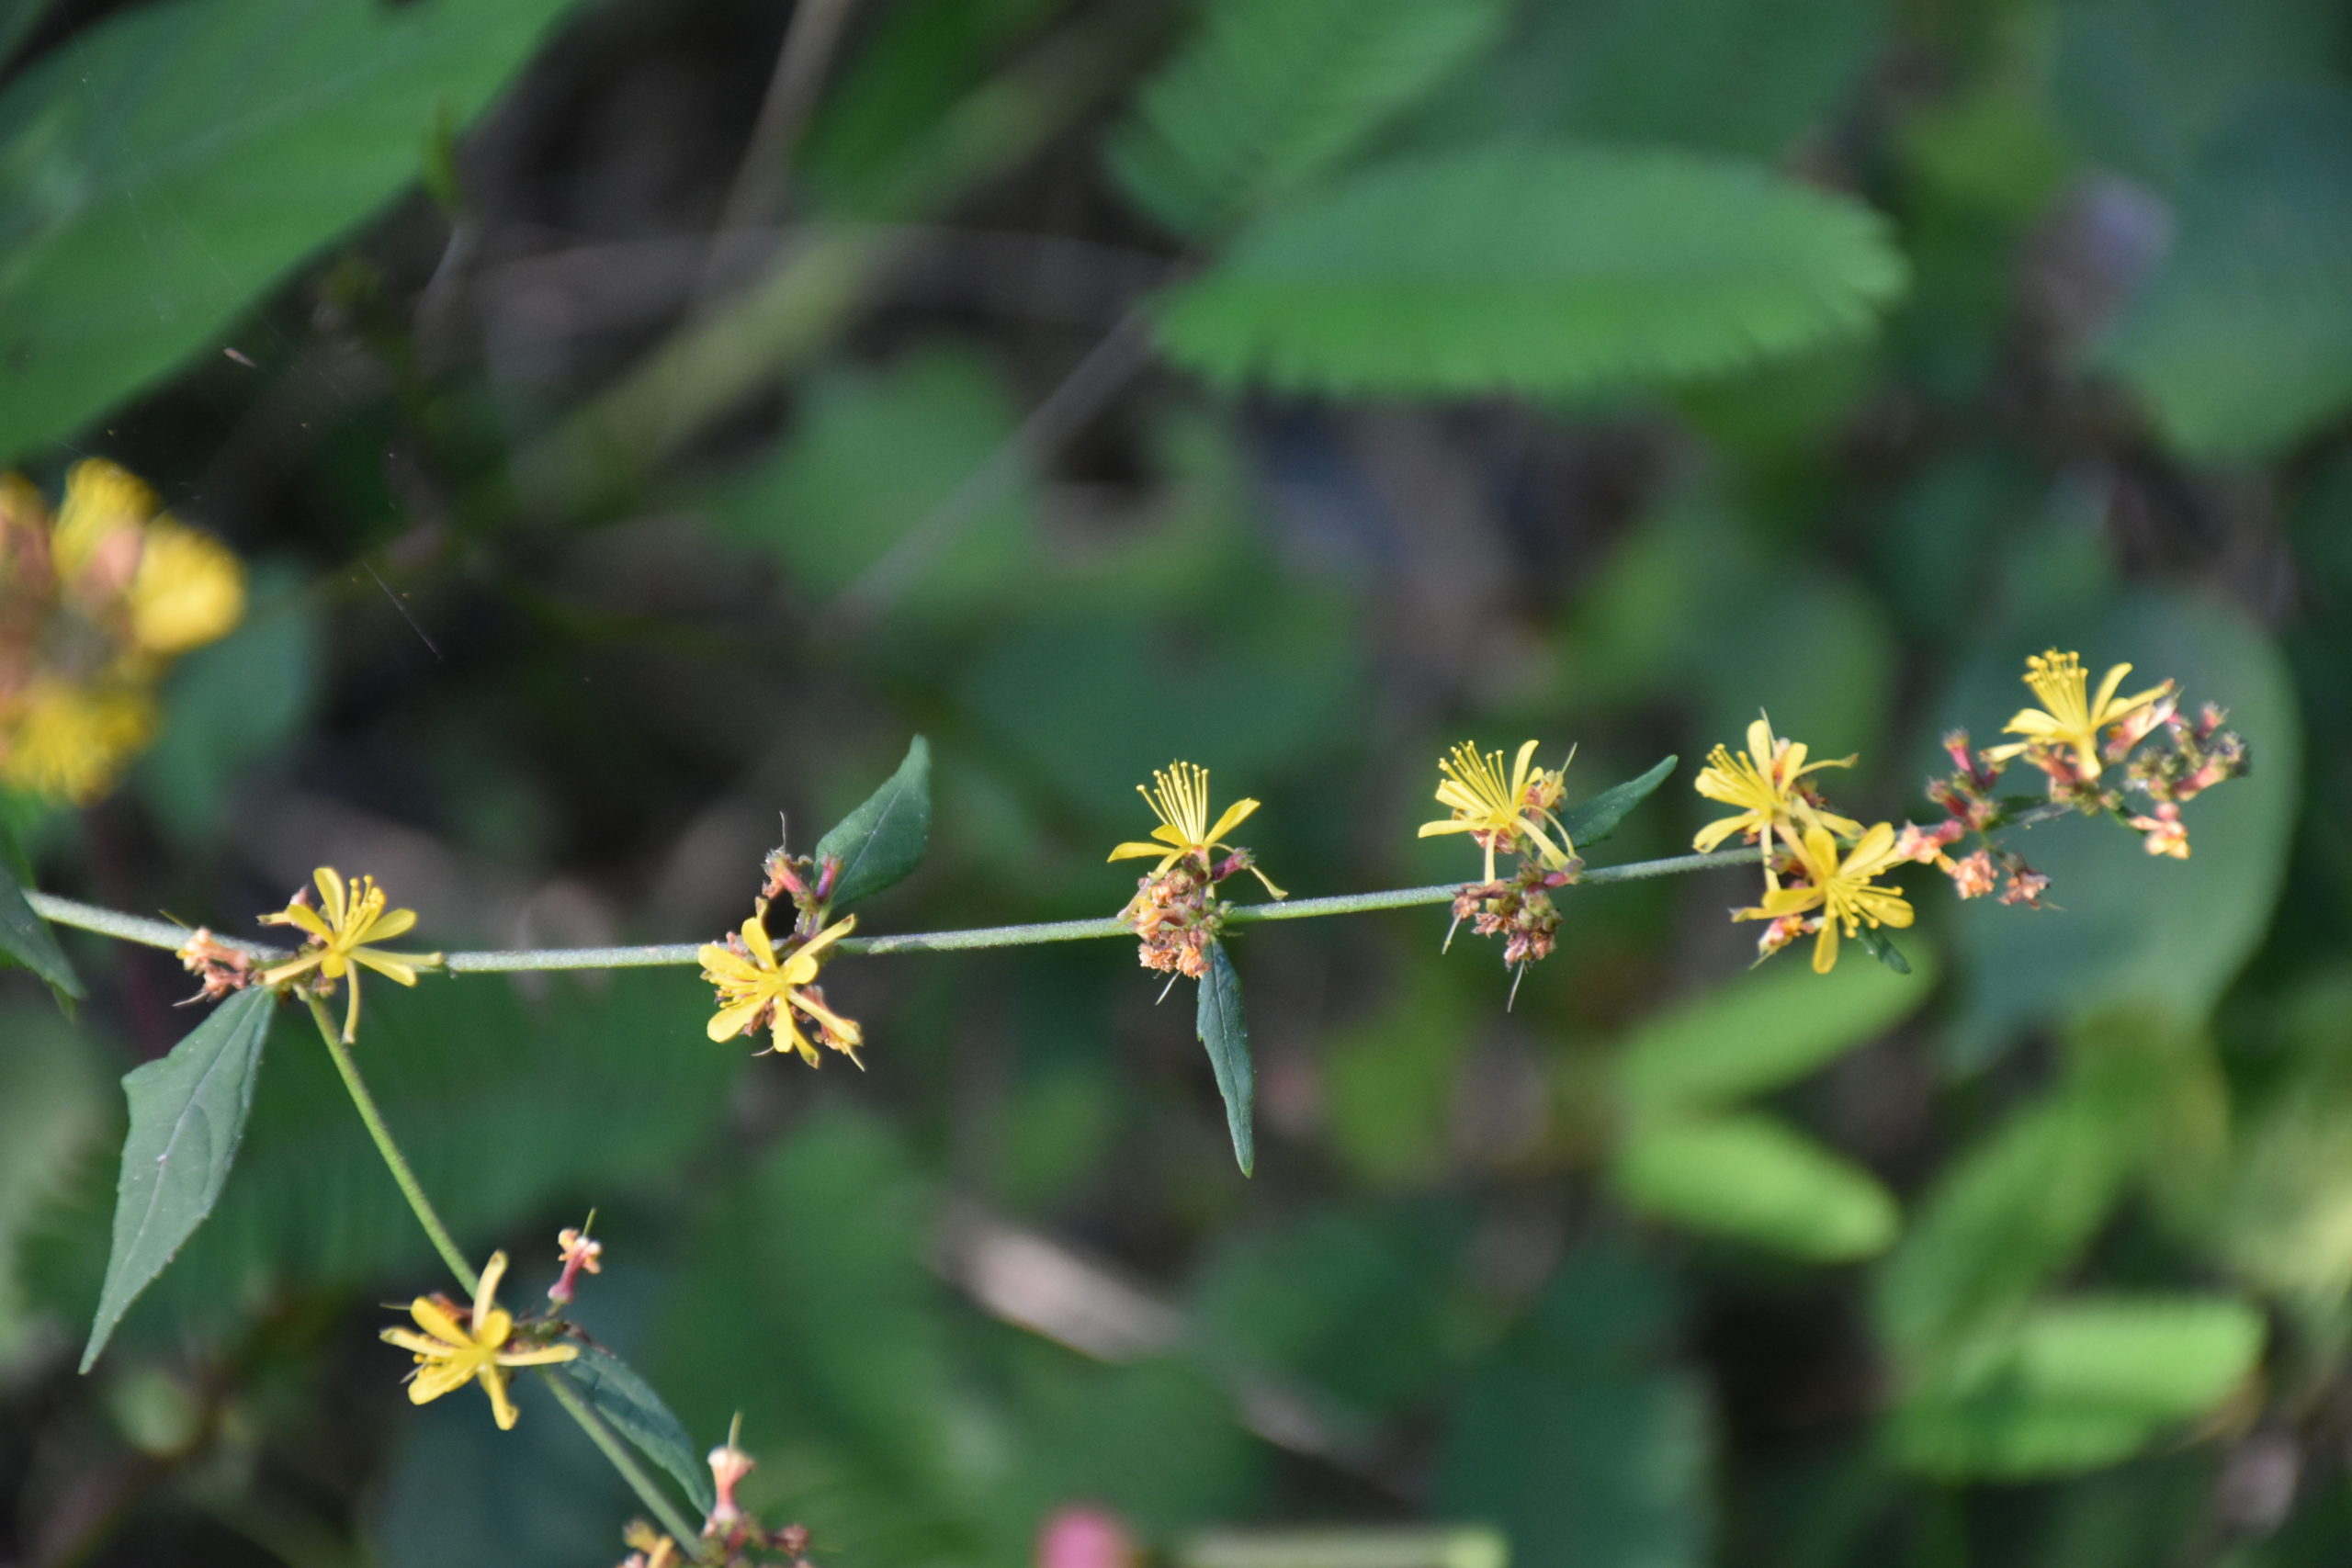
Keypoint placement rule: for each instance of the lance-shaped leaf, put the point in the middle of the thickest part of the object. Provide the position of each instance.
(1226, 1033)
(26, 938)
(884, 838)
(187, 1115)
(1591, 821)
(629, 1402)
(1754, 1179)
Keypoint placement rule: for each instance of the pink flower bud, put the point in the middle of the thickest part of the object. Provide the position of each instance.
(1081, 1536)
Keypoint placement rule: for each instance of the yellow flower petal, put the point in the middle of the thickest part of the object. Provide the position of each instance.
(1232, 817)
(493, 1383)
(436, 1378)
(384, 964)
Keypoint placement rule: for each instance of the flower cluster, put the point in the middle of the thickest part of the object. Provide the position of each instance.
(732, 1535)
(1176, 911)
(95, 601)
(475, 1344)
(1512, 812)
(764, 984)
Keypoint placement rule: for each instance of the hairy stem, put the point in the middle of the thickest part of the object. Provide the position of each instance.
(609, 1444)
(394, 1160)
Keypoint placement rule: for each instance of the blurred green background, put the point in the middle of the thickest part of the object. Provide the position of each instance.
(642, 416)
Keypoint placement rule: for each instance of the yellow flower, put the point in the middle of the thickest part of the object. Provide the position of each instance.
(754, 989)
(104, 509)
(1493, 810)
(69, 741)
(1840, 889)
(347, 918)
(2069, 716)
(1180, 798)
(1763, 786)
(449, 1354)
(189, 590)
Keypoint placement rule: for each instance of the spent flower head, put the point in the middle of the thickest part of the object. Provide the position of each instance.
(1839, 885)
(1507, 811)
(759, 989)
(2071, 716)
(1178, 797)
(462, 1345)
(581, 1255)
(350, 916)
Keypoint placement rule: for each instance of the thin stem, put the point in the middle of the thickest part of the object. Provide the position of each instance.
(609, 1443)
(131, 928)
(397, 1162)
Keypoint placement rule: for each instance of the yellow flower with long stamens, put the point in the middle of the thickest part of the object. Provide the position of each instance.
(1496, 809)
(1841, 889)
(1180, 798)
(348, 916)
(1763, 786)
(450, 1354)
(68, 741)
(756, 989)
(2069, 714)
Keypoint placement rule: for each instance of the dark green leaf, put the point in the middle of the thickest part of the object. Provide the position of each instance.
(884, 838)
(1226, 1033)
(25, 936)
(1754, 1179)
(187, 1115)
(1880, 946)
(1595, 819)
(629, 1402)
(1535, 270)
(170, 163)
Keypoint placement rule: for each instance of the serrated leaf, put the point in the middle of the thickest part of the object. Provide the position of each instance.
(187, 1115)
(885, 838)
(1761, 1032)
(1221, 1028)
(1592, 821)
(26, 937)
(2076, 1385)
(1754, 1179)
(1536, 269)
(1271, 93)
(636, 1411)
(165, 167)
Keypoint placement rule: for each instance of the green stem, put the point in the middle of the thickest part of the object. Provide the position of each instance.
(608, 1442)
(398, 1162)
(132, 928)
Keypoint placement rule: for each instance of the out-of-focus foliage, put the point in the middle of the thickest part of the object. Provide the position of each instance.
(1297, 388)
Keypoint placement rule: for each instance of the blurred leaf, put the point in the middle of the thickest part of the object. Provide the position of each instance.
(636, 1411)
(458, 1490)
(2285, 1219)
(873, 453)
(1592, 821)
(229, 706)
(1755, 1179)
(25, 936)
(2002, 1220)
(188, 1116)
(1880, 946)
(2133, 930)
(2241, 340)
(1534, 269)
(1269, 94)
(884, 839)
(168, 166)
(2078, 1384)
(2148, 85)
(1389, 1079)
(1223, 1030)
(53, 1110)
(1762, 1030)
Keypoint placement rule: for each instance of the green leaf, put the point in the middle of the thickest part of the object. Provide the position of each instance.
(885, 838)
(26, 937)
(2002, 1220)
(2078, 1384)
(1761, 1032)
(636, 1411)
(1226, 1033)
(1537, 269)
(1880, 946)
(187, 1115)
(1595, 819)
(2241, 340)
(1754, 1179)
(167, 166)
(1270, 94)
